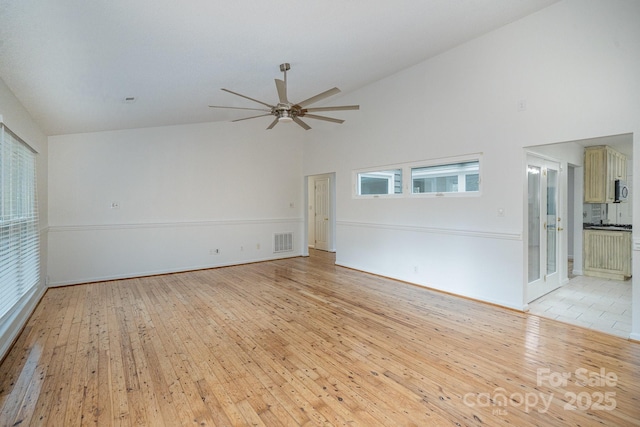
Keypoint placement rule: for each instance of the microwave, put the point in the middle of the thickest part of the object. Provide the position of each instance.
(621, 191)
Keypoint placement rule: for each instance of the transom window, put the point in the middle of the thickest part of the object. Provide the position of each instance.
(449, 178)
(380, 182)
(458, 176)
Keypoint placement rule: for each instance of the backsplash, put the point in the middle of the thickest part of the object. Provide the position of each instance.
(594, 213)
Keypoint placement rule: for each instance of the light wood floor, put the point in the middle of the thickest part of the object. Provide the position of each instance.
(303, 342)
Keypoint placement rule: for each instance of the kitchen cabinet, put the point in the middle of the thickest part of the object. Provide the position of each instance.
(602, 167)
(607, 254)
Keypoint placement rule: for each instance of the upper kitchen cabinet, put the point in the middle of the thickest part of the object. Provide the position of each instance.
(602, 167)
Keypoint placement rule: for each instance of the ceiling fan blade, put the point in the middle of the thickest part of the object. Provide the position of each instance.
(339, 108)
(252, 117)
(273, 123)
(244, 96)
(239, 108)
(301, 123)
(327, 119)
(281, 86)
(319, 97)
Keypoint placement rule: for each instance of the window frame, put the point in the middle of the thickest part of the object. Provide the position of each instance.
(375, 173)
(445, 162)
(406, 170)
(19, 222)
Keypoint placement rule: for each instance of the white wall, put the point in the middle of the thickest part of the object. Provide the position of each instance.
(17, 118)
(182, 192)
(575, 64)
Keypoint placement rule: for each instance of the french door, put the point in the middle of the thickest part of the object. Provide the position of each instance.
(544, 224)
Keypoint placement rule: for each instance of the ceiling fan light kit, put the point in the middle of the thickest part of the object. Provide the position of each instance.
(284, 117)
(285, 111)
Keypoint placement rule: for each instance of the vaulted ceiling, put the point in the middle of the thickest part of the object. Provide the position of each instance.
(72, 63)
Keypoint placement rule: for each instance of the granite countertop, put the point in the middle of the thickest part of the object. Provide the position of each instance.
(607, 227)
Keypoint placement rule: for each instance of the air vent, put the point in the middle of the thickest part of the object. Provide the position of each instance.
(282, 242)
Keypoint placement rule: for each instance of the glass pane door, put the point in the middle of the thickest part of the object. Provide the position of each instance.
(543, 240)
(533, 177)
(552, 220)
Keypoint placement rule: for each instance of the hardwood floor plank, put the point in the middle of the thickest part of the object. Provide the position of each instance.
(247, 346)
(144, 387)
(42, 389)
(301, 341)
(118, 389)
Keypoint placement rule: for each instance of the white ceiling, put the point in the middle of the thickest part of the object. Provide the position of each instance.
(72, 62)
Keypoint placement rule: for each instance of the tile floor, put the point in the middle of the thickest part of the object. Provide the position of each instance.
(600, 304)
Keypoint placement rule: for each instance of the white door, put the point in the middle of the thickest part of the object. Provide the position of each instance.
(543, 177)
(322, 209)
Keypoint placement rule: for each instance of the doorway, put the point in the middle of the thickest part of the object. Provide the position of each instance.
(321, 212)
(543, 220)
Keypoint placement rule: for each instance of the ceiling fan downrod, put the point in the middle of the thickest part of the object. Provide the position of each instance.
(284, 67)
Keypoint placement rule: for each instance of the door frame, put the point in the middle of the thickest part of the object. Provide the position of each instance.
(309, 198)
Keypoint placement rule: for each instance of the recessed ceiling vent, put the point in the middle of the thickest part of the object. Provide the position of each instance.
(282, 242)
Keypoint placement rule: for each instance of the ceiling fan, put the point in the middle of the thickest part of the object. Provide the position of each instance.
(286, 111)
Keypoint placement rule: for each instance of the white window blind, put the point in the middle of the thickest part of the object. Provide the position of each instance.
(19, 230)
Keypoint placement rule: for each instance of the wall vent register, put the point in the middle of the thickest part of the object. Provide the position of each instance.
(282, 242)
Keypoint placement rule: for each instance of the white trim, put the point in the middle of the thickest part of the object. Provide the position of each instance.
(93, 227)
(436, 289)
(163, 271)
(188, 264)
(434, 230)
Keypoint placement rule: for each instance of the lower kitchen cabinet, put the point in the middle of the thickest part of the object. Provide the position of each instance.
(607, 254)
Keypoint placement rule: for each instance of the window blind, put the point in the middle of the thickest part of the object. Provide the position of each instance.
(19, 230)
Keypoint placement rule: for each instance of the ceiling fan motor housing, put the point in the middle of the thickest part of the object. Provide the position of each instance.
(286, 111)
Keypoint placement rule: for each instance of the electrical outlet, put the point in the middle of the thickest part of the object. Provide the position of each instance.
(115, 205)
(214, 252)
(258, 246)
